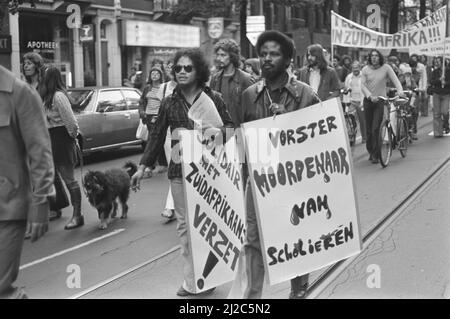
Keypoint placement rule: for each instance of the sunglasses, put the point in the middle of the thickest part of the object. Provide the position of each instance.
(188, 68)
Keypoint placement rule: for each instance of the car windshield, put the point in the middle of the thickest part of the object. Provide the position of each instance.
(80, 99)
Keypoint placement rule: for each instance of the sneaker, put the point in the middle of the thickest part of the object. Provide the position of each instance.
(159, 169)
(414, 136)
(375, 160)
(169, 214)
(184, 293)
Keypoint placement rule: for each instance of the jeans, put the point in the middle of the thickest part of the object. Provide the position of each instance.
(440, 112)
(374, 115)
(249, 280)
(162, 160)
(178, 194)
(12, 234)
(361, 118)
(423, 103)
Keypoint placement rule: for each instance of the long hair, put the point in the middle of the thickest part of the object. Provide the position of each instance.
(317, 51)
(231, 47)
(369, 60)
(198, 60)
(38, 62)
(52, 82)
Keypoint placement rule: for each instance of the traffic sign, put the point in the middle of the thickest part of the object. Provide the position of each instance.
(255, 26)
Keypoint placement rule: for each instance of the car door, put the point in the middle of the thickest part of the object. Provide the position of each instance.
(132, 99)
(114, 116)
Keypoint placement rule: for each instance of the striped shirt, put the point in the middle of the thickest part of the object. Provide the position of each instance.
(61, 114)
(153, 101)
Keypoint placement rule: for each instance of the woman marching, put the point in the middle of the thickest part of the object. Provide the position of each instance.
(63, 129)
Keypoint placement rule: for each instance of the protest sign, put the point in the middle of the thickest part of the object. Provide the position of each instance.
(300, 167)
(426, 36)
(215, 208)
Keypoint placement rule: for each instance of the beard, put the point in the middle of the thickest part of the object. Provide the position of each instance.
(312, 63)
(273, 72)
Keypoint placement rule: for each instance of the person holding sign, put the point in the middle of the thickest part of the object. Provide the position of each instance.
(373, 83)
(191, 102)
(278, 93)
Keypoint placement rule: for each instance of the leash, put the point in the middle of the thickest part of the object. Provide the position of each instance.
(80, 158)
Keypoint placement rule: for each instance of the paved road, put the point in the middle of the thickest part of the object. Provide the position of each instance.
(143, 236)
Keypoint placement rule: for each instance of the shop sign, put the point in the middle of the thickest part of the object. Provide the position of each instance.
(87, 32)
(215, 27)
(42, 45)
(5, 43)
(157, 34)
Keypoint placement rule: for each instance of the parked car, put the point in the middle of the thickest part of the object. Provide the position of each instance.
(108, 117)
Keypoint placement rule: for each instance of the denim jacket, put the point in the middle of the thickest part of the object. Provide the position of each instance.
(26, 164)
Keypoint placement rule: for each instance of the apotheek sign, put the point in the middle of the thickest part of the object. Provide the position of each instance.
(5, 43)
(42, 45)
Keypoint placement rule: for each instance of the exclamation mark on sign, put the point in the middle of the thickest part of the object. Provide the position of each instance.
(210, 263)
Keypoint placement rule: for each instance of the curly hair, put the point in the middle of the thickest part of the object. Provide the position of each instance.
(232, 48)
(198, 60)
(286, 44)
(38, 61)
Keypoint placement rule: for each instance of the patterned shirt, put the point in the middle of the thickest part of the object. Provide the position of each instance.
(173, 112)
(61, 114)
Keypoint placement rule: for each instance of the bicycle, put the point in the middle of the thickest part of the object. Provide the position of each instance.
(394, 132)
(350, 120)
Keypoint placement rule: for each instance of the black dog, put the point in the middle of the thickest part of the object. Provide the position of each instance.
(102, 189)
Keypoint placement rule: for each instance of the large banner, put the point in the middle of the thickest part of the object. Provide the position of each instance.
(215, 208)
(301, 175)
(423, 37)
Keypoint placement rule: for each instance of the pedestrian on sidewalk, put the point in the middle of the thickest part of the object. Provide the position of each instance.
(26, 175)
(191, 72)
(149, 104)
(231, 81)
(278, 93)
(440, 88)
(166, 90)
(353, 82)
(63, 129)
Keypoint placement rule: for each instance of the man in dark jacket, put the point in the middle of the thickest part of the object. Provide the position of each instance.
(278, 93)
(230, 80)
(26, 175)
(322, 78)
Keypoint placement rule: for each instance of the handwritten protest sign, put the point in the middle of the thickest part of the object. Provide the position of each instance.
(423, 37)
(300, 168)
(215, 208)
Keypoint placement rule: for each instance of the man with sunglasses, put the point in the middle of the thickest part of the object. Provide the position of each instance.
(230, 80)
(278, 93)
(375, 76)
(191, 72)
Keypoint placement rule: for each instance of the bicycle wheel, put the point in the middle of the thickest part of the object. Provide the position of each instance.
(385, 143)
(350, 130)
(403, 136)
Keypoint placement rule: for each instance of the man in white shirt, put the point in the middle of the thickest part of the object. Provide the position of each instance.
(353, 82)
(419, 72)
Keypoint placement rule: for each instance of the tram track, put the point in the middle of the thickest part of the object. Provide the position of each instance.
(333, 271)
